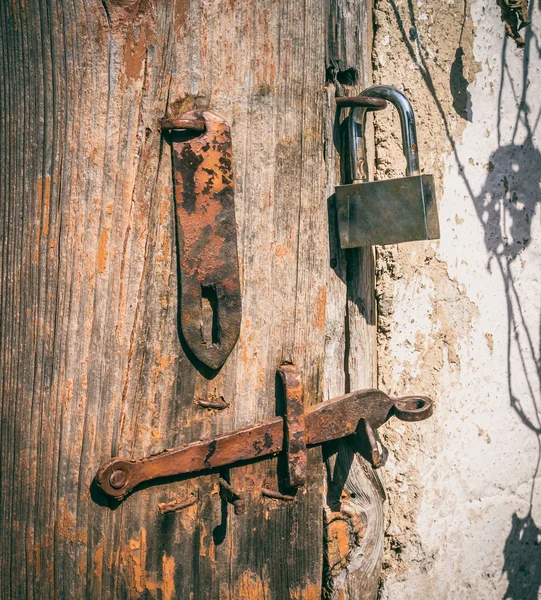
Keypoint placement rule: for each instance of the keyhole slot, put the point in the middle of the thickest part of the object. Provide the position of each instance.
(210, 326)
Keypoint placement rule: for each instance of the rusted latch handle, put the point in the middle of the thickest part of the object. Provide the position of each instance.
(335, 419)
(210, 297)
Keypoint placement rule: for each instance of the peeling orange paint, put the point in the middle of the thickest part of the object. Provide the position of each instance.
(81, 567)
(251, 587)
(82, 535)
(339, 541)
(280, 250)
(135, 51)
(102, 250)
(97, 560)
(65, 523)
(164, 211)
(321, 308)
(168, 577)
(203, 536)
(163, 363)
(133, 558)
(310, 591)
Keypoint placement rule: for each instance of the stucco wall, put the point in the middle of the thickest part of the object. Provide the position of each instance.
(459, 319)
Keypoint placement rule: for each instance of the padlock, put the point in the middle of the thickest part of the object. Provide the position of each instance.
(389, 211)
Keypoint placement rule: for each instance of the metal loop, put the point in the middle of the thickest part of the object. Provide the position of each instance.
(407, 123)
(191, 123)
(413, 408)
(368, 101)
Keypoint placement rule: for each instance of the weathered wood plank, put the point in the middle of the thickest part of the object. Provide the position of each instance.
(92, 364)
(354, 513)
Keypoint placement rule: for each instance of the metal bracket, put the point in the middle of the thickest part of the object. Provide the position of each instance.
(210, 297)
(297, 458)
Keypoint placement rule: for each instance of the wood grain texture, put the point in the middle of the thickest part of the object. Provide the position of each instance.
(91, 358)
(354, 513)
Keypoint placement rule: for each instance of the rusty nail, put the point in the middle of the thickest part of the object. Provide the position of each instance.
(276, 495)
(175, 505)
(230, 495)
(215, 403)
(118, 479)
(362, 101)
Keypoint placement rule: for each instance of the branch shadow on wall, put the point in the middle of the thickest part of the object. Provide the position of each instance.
(505, 207)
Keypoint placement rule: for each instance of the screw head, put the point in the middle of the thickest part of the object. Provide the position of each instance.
(118, 479)
(239, 506)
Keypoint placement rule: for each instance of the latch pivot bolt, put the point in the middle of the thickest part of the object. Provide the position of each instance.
(118, 479)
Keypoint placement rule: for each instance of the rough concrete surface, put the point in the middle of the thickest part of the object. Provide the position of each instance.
(459, 319)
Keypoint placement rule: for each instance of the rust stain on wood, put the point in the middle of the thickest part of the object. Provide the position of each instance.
(103, 250)
(181, 14)
(65, 521)
(46, 205)
(280, 250)
(321, 308)
(44, 201)
(135, 51)
(162, 364)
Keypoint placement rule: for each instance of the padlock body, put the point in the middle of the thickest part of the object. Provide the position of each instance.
(387, 212)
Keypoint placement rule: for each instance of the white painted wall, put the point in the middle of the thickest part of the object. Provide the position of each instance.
(464, 326)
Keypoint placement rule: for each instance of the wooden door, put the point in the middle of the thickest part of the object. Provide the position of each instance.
(92, 362)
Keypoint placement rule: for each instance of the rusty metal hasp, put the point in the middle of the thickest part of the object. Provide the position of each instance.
(331, 420)
(210, 297)
(391, 211)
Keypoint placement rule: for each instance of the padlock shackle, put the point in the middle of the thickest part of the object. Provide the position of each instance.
(357, 132)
